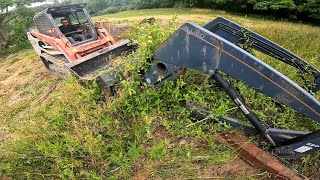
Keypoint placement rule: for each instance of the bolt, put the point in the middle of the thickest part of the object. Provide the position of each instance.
(148, 80)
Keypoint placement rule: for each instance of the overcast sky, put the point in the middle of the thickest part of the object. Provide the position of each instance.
(45, 2)
(41, 3)
(37, 4)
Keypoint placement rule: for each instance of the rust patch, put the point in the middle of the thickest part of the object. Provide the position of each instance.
(259, 158)
(218, 55)
(182, 72)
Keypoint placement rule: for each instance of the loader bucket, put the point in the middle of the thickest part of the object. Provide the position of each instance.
(92, 66)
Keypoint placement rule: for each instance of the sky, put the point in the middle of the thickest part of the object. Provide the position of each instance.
(45, 2)
(40, 3)
(36, 4)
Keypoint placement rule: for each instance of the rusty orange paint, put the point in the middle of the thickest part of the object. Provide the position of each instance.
(259, 158)
(74, 53)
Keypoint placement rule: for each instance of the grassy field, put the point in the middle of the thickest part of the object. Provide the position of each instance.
(61, 129)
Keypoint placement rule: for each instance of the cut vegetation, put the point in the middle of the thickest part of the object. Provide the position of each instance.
(53, 128)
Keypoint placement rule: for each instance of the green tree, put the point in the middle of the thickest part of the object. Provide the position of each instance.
(12, 12)
(312, 8)
(273, 4)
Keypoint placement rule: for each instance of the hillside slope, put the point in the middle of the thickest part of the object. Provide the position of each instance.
(55, 128)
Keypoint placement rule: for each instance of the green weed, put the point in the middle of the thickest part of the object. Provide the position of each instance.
(78, 133)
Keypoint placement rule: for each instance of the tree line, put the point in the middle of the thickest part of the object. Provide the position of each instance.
(304, 10)
(16, 16)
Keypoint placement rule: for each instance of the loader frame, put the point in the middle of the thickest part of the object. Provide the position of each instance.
(222, 46)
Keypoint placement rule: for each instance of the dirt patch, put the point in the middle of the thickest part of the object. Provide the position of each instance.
(150, 169)
(192, 142)
(2, 59)
(183, 167)
(5, 57)
(161, 131)
(118, 31)
(142, 169)
(232, 169)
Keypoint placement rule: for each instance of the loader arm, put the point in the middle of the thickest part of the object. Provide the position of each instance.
(197, 48)
(245, 38)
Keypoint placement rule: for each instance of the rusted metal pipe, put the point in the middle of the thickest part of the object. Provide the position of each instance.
(259, 158)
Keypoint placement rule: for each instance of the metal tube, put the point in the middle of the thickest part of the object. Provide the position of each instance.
(247, 112)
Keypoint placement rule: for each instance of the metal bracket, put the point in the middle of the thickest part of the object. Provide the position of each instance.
(290, 143)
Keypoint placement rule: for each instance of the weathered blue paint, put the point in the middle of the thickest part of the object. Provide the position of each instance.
(235, 33)
(216, 48)
(197, 48)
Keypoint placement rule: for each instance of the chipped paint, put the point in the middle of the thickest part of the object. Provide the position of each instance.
(283, 98)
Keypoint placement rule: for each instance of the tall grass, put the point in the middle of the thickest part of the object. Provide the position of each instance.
(79, 131)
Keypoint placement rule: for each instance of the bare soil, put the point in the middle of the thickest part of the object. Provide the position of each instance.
(118, 31)
(145, 168)
(237, 168)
